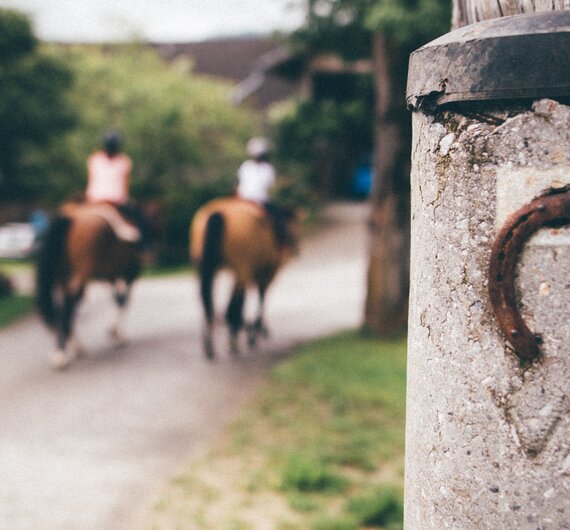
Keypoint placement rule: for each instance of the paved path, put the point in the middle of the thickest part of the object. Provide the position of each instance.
(86, 448)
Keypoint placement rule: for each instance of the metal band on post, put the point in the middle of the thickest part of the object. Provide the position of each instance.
(494, 60)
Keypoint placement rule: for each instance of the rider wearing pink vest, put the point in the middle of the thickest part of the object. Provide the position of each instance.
(108, 173)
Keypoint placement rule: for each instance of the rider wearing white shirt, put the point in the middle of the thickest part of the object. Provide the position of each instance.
(256, 176)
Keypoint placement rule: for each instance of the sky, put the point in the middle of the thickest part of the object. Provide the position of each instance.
(156, 20)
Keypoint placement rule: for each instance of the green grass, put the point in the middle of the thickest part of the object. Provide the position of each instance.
(164, 270)
(9, 266)
(320, 448)
(14, 307)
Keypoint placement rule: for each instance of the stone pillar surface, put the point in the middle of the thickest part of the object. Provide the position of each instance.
(488, 441)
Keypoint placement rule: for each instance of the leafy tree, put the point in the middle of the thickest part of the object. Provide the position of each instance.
(410, 23)
(400, 27)
(326, 137)
(388, 31)
(184, 136)
(337, 26)
(33, 109)
(179, 128)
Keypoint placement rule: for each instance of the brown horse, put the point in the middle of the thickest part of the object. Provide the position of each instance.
(238, 235)
(84, 243)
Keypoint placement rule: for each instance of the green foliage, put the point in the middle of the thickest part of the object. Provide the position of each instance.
(16, 37)
(304, 474)
(346, 27)
(179, 210)
(353, 380)
(328, 139)
(33, 109)
(328, 522)
(410, 23)
(301, 502)
(185, 138)
(336, 26)
(14, 307)
(326, 133)
(380, 507)
(180, 129)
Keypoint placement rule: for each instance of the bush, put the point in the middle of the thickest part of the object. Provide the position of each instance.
(180, 208)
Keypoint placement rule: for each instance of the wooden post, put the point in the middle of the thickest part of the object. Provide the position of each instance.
(470, 11)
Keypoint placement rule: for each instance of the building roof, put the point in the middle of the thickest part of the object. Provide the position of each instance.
(237, 59)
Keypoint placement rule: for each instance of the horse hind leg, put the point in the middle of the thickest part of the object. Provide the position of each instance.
(234, 316)
(68, 348)
(121, 295)
(258, 328)
(210, 262)
(208, 327)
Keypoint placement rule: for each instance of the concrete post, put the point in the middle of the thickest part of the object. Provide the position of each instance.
(488, 437)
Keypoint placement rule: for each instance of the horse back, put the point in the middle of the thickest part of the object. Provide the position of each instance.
(248, 242)
(94, 250)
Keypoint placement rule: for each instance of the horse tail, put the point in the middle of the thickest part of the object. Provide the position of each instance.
(50, 262)
(211, 260)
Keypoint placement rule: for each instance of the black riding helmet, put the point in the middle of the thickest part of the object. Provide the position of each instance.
(112, 142)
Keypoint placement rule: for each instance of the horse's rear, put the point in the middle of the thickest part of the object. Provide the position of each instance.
(240, 236)
(80, 246)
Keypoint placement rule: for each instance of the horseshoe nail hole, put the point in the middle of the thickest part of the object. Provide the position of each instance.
(499, 277)
(524, 218)
(501, 255)
(538, 338)
(508, 235)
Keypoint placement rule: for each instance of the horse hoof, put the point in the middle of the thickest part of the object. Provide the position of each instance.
(208, 347)
(76, 348)
(118, 338)
(252, 341)
(234, 347)
(59, 360)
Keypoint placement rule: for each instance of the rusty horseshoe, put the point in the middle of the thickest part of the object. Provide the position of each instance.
(548, 211)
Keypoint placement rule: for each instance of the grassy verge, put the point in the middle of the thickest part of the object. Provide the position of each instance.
(320, 448)
(14, 307)
(16, 266)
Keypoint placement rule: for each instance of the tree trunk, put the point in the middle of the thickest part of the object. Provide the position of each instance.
(387, 289)
(388, 283)
(469, 11)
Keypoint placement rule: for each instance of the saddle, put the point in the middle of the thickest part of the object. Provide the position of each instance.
(256, 209)
(123, 228)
